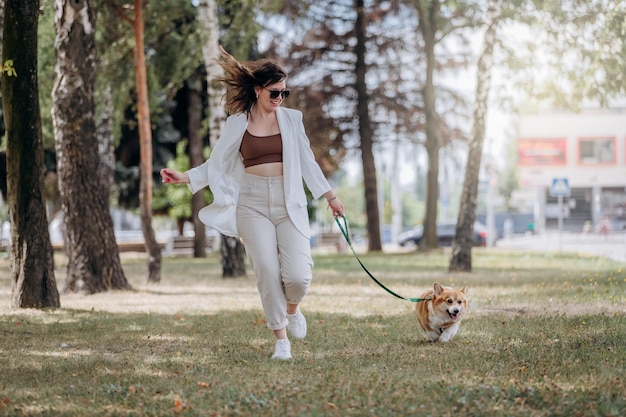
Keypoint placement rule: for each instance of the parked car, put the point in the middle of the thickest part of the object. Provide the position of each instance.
(445, 235)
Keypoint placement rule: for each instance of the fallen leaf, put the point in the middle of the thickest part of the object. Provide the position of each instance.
(178, 405)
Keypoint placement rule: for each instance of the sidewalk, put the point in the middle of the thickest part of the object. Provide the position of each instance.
(612, 246)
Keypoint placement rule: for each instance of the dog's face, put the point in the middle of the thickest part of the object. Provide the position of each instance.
(449, 303)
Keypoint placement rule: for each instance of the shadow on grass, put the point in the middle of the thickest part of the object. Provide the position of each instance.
(75, 363)
(545, 336)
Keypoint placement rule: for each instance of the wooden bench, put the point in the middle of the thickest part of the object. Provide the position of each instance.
(335, 239)
(177, 244)
(121, 247)
(129, 247)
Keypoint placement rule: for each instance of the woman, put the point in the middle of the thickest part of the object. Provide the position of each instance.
(255, 173)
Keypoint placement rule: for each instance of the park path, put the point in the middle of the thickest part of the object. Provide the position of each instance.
(612, 246)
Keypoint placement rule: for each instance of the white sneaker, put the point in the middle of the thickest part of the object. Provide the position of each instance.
(282, 351)
(296, 324)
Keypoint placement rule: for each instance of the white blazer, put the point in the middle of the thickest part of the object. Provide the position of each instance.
(223, 171)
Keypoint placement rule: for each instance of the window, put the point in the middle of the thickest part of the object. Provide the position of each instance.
(594, 151)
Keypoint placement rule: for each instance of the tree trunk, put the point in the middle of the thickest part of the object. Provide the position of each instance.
(233, 253)
(145, 144)
(93, 257)
(461, 259)
(428, 24)
(196, 158)
(106, 146)
(2, 26)
(207, 14)
(366, 135)
(233, 257)
(32, 269)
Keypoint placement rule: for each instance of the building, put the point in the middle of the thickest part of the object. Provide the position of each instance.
(588, 151)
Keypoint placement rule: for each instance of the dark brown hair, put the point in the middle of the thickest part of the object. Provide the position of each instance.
(241, 77)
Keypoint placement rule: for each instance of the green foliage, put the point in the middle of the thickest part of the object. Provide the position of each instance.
(173, 54)
(175, 42)
(172, 49)
(574, 52)
(239, 29)
(412, 210)
(353, 199)
(176, 199)
(179, 197)
(46, 59)
(508, 180)
(178, 53)
(8, 68)
(352, 196)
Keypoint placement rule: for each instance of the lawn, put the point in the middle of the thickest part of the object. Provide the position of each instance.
(546, 336)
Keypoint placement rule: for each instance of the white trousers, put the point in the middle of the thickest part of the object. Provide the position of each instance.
(279, 254)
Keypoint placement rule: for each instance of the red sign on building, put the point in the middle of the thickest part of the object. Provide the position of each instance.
(531, 152)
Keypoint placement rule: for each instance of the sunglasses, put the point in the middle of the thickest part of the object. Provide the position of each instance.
(275, 93)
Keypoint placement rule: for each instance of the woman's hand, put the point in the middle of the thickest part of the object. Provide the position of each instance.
(335, 204)
(171, 176)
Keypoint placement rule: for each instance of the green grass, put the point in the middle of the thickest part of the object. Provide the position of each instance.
(546, 336)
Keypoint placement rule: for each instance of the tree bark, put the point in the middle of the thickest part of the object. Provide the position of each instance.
(366, 134)
(207, 14)
(233, 257)
(145, 144)
(428, 18)
(461, 259)
(93, 256)
(106, 146)
(233, 253)
(196, 158)
(32, 269)
(1, 27)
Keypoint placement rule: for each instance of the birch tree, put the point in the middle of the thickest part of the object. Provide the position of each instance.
(207, 17)
(233, 255)
(429, 15)
(93, 257)
(461, 259)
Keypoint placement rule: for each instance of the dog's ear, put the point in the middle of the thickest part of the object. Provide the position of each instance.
(464, 290)
(438, 288)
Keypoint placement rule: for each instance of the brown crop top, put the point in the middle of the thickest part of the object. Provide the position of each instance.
(257, 150)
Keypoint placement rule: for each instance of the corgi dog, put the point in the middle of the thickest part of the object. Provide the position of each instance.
(441, 312)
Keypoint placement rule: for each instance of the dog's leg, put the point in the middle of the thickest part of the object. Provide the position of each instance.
(449, 333)
(432, 335)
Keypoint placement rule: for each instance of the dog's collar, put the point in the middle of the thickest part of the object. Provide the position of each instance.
(444, 327)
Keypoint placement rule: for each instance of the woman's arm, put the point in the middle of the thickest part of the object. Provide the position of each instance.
(334, 203)
(171, 176)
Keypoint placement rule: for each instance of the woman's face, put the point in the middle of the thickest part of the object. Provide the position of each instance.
(271, 96)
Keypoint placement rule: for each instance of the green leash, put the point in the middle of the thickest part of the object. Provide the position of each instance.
(344, 231)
